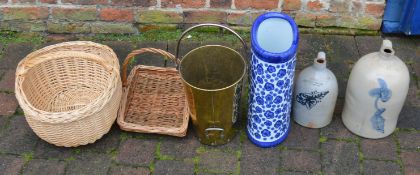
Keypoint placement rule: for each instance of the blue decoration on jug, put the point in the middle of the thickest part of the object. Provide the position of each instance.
(274, 40)
(384, 94)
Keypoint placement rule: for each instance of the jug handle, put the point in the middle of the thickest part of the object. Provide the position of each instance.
(210, 25)
(132, 55)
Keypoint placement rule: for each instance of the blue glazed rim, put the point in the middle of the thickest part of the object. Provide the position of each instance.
(272, 57)
(268, 144)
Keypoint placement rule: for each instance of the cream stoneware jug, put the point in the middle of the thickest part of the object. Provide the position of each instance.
(376, 92)
(315, 94)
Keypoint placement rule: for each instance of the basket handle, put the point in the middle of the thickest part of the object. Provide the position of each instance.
(30, 62)
(132, 55)
(210, 25)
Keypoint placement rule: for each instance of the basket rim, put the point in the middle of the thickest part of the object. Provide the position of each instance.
(64, 116)
(47, 49)
(174, 131)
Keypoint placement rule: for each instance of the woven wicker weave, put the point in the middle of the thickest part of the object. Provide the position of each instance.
(153, 98)
(69, 97)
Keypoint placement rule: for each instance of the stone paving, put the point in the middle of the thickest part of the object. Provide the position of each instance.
(330, 150)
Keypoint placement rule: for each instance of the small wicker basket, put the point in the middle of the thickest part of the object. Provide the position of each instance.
(69, 92)
(153, 98)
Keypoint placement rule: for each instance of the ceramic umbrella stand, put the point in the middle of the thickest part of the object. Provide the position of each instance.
(274, 40)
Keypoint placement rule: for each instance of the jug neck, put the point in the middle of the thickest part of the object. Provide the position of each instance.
(320, 62)
(386, 49)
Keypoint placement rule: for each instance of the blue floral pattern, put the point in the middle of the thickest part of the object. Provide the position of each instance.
(270, 100)
(384, 94)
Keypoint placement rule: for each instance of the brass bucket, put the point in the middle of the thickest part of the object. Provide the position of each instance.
(212, 77)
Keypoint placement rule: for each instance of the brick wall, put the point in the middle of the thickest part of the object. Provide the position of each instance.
(134, 16)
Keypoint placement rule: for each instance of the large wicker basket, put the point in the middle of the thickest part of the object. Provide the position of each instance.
(70, 92)
(153, 98)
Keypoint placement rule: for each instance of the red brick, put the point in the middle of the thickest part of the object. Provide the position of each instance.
(183, 3)
(8, 104)
(411, 161)
(25, 13)
(305, 19)
(113, 14)
(138, 3)
(339, 6)
(77, 14)
(23, 1)
(8, 81)
(356, 7)
(239, 18)
(314, 5)
(86, 2)
(291, 5)
(375, 9)
(157, 16)
(205, 16)
(220, 3)
(256, 4)
(48, 1)
(325, 20)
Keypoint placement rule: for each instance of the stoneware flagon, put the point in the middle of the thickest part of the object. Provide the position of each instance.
(315, 94)
(274, 40)
(376, 92)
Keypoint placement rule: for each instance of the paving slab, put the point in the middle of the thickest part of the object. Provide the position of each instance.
(256, 160)
(14, 53)
(302, 137)
(409, 140)
(339, 157)
(44, 167)
(8, 104)
(217, 162)
(232, 146)
(180, 148)
(304, 161)
(164, 167)
(411, 162)
(382, 149)
(4, 120)
(337, 130)
(10, 165)
(374, 167)
(137, 152)
(18, 137)
(408, 117)
(89, 163)
(125, 170)
(46, 150)
(109, 142)
(7, 82)
(296, 173)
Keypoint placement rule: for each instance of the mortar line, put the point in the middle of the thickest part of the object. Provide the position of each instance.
(357, 46)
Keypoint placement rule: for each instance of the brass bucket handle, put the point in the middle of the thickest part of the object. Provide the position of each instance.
(132, 55)
(210, 25)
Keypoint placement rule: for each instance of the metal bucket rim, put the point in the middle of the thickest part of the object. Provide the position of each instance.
(213, 90)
